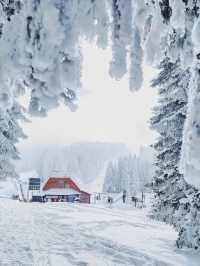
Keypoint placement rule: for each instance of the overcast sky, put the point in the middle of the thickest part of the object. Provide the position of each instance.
(107, 111)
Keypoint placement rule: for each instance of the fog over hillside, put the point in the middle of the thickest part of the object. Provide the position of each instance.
(130, 173)
(82, 161)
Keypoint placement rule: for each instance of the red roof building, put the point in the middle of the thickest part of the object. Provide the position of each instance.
(64, 189)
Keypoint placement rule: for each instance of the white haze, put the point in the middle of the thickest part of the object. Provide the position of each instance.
(107, 110)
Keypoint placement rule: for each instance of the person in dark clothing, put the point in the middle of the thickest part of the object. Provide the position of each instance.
(110, 200)
(135, 200)
(124, 196)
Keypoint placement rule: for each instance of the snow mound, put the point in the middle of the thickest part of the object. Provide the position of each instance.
(8, 188)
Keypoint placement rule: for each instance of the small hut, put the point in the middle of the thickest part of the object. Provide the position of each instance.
(63, 189)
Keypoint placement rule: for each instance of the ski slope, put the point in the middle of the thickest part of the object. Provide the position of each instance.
(61, 234)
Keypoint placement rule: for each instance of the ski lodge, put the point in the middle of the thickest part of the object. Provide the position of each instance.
(63, 189)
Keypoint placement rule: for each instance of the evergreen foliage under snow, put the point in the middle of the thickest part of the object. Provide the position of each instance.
(171, 192)
(130, 173)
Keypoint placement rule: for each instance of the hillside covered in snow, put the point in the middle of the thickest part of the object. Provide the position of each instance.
(82, 161)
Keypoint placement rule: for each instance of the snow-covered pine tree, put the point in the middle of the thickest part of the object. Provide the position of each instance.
(168, 119)
(127, 173)
(10, 133)
(189, 229)
(109, 179)
(136, 73)
(10, 7)
(116, 176)
(122, 12)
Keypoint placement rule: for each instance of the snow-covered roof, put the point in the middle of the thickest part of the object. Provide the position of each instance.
(60, 192)
(60, 182)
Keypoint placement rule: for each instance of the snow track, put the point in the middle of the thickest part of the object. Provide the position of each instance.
(68, 234)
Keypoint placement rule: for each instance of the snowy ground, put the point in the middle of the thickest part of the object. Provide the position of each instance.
(61, 234)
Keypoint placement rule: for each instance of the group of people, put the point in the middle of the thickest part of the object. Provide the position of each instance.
(134, 199)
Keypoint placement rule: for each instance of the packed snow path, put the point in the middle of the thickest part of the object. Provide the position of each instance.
(62, 234)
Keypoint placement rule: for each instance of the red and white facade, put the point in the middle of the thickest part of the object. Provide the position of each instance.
(63, 189)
